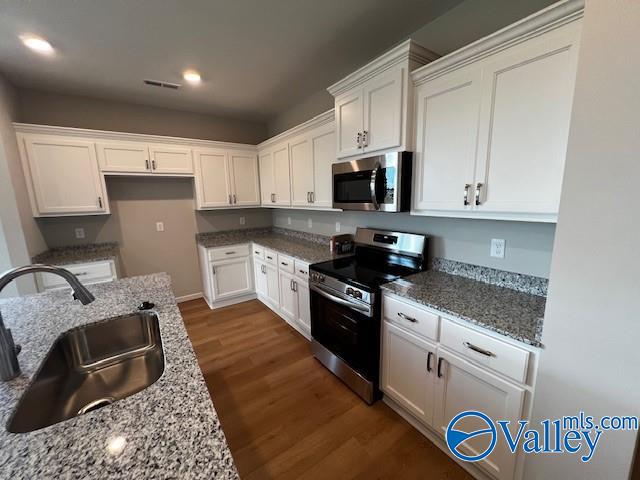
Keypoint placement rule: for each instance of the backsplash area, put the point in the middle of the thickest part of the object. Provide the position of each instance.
(528, 246)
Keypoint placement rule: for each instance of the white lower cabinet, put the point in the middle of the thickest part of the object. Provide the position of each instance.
(303, 319)
(88, 273)
(260, 272)
(288, 297)
(231, 278)
(273, 288)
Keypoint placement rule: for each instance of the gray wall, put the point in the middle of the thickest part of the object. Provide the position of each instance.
(592, 328)
(136, 205)
(528, 245)
(84, 112)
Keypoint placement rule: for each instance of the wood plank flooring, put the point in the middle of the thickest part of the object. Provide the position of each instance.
(286, 417)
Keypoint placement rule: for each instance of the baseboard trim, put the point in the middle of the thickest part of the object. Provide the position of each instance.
(231, 301)
(186, 298)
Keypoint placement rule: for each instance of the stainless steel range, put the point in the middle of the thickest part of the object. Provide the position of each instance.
(345, 304)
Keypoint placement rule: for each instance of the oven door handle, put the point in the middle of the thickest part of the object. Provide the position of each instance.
(372, 186)
(340, 301)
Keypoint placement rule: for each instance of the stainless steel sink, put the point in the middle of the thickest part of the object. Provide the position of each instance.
(90, 367)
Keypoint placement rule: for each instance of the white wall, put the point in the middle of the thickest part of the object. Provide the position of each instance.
(592, 325)
(528, 245)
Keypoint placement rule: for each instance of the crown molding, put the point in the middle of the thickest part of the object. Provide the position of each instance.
(317, 121)
(550, 18)
(125, 137)
(404, 52)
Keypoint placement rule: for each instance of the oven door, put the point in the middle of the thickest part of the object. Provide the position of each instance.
(352, 334)
(368, 184)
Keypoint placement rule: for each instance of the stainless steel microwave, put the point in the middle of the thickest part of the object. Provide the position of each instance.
(380, 183)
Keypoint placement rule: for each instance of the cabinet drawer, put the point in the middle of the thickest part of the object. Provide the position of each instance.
(232, 251)
(270, 256)
(485, 350)
(411, 317)
(302, 269)
(258, 252)
(285, 263)
(87, 273)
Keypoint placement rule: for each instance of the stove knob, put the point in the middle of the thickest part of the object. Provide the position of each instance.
(357, 294)
(321, 278)
(350, 291)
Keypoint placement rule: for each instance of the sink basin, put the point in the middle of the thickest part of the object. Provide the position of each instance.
(90, 367)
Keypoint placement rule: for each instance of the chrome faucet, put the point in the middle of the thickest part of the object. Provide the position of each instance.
(9, 366)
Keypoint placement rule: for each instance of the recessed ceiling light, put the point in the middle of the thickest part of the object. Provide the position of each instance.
(191, 76)
(37, 44)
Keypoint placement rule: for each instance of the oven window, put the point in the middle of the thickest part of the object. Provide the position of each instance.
(352, 187)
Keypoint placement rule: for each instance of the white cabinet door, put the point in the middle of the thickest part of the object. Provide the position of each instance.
(232, 278)
(304, 306)
(171, 160)
(273, 289)
(524, 126)
(245, 178)
(408, 371)
(464, 386)
(260, 270)
(65, 176)
(447, 133)
(323, 151)
(288, 297)
(123, 157)
(349, 117)
(267, 182)
(212, 179)
(301, 171)
(281, 175)
(383, 96)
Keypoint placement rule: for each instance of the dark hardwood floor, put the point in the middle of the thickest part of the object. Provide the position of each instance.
(286, 417)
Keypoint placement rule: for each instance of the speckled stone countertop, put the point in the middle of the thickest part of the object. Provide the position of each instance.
(171, 428)
(503, 310)
(310, 248)
(78, 254)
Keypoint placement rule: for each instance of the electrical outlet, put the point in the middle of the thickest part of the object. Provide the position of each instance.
(497, 247)
(243, 220)
(79, 232)
(310, 223)
(160, 226)
(338, 227)
(288, 220)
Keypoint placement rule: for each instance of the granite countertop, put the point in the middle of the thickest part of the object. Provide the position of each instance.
(307, 247)
(171, 428)
(92, 252)
(511, 313)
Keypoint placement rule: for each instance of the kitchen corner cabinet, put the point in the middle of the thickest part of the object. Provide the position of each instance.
(227, 274)
(62, 176)
(491, 134)
(275, 175)
(373, 105)
(226, 179)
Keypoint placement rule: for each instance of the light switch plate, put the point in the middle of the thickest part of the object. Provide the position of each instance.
(497, 247)
(310, 223)
(243, 220)
(160, 226)
(288, 220)
(79, 232)
(338, 227)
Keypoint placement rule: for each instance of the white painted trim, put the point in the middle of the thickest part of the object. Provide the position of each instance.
(406, 51)
(482, 215)
(534, 25)
(232, 301)
(124, 136)
(317, 121)
(186, 298)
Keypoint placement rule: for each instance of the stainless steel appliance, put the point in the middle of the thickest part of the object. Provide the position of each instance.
(380, 183)
(345, 304)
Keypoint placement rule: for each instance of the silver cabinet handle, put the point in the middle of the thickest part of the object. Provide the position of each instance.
(235, 200)
(313, 197)
(273, 198)
(365, 139)
(146, 162)
(291, 285)
(81, 274)
(440, 361)
(479, 350)
(284, 263)
(478, 189)
(230, 202)
(372, 186)
(229, 253)
(295, 285)
(270, 258)
(359, 140)
(100, 202)
(467, 186)
(263, 268)
(429, 355)
(213, 270)
(407, 317)
(153, 164)
(302, 272)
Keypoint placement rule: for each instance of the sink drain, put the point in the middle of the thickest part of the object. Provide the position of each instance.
(96, 404)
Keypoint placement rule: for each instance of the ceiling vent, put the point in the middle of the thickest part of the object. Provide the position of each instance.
(158, 83)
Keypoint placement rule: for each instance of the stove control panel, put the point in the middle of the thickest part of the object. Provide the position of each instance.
(354, 293)
(317, 277)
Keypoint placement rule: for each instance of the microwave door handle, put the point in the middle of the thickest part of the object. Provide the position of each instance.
(339, 300)
(372, 185)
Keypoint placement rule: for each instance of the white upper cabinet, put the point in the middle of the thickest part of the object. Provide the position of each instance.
(301, 170)
(62, 176)
(267, 182)
(373, 104)
(171, 159)
(323, 152)
(492, 122)
(123, 157)
(226, 178)
(281, 175)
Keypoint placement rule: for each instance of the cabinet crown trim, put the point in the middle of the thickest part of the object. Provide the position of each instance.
(318, 120)
(534, 25)
(407, 50)
(28, 128)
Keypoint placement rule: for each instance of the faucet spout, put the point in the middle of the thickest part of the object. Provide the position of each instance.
(9, 366)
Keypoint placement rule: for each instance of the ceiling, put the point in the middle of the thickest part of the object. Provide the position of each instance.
(257, 58)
